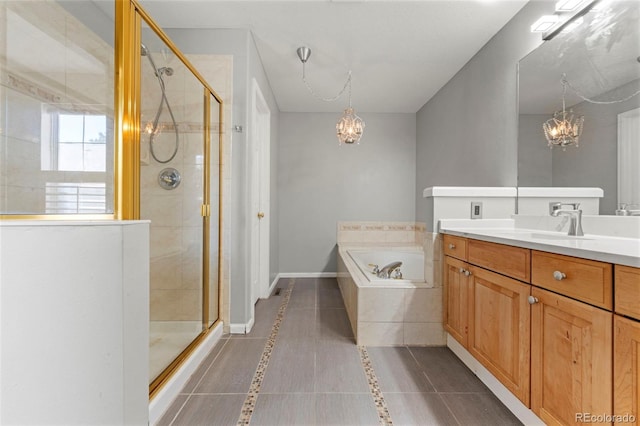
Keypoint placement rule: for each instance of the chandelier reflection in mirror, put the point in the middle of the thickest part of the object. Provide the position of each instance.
(350, 127)
(564, 128)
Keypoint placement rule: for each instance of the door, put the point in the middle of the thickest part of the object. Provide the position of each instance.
(259, 161)
(499, 322)
(628, 158)
(456, 299)
(626, 368)
(571, 359)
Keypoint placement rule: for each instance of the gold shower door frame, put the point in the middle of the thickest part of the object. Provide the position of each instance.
(129, 17)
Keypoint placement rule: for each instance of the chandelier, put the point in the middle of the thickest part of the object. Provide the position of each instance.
(564, 128)
(350, 127)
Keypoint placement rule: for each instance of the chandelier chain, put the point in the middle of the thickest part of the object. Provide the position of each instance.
(315, 95)
(593, 101)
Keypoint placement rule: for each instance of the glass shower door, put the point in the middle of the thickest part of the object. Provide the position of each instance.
(172, 171)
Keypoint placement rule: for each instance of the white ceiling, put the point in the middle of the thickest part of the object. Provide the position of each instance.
(400, 52)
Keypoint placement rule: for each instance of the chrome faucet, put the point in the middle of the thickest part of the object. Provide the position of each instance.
(387, 270)
(627, 210)
(575, 216)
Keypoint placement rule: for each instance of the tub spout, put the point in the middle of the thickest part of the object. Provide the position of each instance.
(386, 271)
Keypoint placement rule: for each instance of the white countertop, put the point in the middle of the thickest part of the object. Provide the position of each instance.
(622, 251)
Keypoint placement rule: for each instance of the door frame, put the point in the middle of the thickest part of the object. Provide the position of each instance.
(259, 195)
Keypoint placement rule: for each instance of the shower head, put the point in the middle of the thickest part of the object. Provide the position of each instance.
(143, 50)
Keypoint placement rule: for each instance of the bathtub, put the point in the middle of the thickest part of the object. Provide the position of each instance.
(412, 265)
(390, 312)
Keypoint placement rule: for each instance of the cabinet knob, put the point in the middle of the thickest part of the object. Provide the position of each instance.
(462, 270)
(260, 215)
(559, 276)
(532, 300)
(452, 246)
(467, 273)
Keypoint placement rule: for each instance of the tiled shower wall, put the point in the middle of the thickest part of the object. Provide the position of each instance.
(176, 230)
(25, 93)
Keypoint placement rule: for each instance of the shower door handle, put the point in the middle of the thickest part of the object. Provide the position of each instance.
(260, 215)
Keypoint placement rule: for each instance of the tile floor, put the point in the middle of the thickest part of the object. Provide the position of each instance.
(315, 375)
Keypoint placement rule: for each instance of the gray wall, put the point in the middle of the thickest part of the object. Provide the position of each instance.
(467, 133)
(534, 156)
(321, 183)
(246, 66)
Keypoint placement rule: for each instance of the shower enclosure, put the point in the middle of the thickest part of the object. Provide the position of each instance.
(173, 189)
(108, 120)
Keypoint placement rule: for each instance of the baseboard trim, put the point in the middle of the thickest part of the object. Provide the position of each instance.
(250, 324)
(238, 328)
(165, 397)
(271, 287)
(524, 414)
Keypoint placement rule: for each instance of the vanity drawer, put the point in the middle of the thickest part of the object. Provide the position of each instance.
(455, 246)
(627, 291)
(511, 261)
(581, 279)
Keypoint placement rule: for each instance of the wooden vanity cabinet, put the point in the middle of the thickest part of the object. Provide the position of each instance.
(499, 335)
(550, 341)
(488, 312)
(626, 347)
(571, 359)
(456, 300)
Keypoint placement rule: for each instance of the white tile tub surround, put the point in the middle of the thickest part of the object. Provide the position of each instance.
(377, 232)
(535, 201)
(400, 314)
(412, 267)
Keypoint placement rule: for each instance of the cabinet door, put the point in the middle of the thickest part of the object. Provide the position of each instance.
(571, 364)
(499, 334)
(626, 369)
(456, 300)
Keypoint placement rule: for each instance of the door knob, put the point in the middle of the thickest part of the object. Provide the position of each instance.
(532, 300)
(260, 215)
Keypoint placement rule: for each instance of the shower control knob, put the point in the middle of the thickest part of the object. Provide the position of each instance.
(532, 300)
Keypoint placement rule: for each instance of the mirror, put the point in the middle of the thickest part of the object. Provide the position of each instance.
(600, 57)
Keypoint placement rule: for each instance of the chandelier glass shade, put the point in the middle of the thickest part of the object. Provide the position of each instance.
(350, 127)
(565, 127)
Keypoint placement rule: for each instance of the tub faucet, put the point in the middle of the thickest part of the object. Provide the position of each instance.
(386, 271)
(575, 216)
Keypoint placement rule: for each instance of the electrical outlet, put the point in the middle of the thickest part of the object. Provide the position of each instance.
(476, 210)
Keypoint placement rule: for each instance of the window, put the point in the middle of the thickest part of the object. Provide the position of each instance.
(76, 142)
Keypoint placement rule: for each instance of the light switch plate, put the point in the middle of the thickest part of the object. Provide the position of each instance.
(476, 210)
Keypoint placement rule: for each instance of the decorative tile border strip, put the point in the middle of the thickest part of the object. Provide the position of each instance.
(252, 396)
(381, 405)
